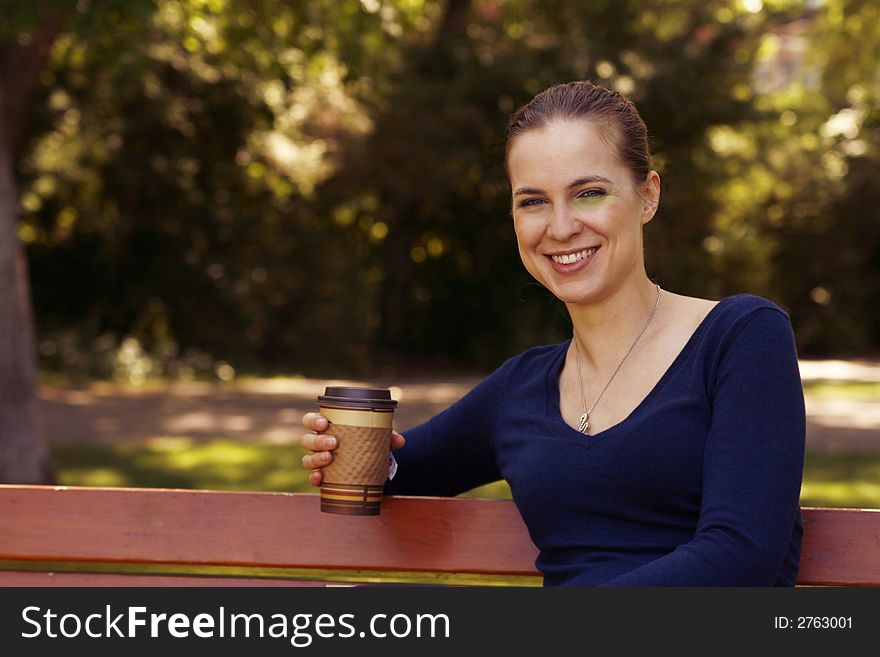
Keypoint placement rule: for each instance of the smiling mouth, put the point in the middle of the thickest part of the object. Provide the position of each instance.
(571, 258)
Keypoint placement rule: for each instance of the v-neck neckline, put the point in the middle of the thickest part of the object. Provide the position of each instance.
(553, 393)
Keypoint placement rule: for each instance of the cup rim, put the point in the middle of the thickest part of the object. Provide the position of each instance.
(378, 399)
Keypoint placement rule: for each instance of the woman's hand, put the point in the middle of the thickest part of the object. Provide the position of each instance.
(322, 445)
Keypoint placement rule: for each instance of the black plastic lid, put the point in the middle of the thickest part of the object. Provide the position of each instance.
(378, 399)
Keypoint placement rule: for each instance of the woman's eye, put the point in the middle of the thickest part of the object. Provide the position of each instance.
(592, 193)
(530, 202)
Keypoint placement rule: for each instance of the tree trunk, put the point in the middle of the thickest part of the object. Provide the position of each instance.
(454, 19)
(24, 456)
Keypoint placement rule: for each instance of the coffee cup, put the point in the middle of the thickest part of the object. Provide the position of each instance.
(360, 419)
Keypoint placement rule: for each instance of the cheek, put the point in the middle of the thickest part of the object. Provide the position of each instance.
(612, 216)
(593, 205)
(527, 230)
(527, 239)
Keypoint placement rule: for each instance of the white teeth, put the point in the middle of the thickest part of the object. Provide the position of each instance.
(569, 258)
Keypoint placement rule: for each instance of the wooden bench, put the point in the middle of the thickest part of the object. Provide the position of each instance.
(58, 536)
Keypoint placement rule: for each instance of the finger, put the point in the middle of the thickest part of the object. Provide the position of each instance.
(315, 422)
(317, 460)
(397, 440)
(318, 442)
(316, 477)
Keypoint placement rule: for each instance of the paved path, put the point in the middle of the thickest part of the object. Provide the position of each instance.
(270, 410)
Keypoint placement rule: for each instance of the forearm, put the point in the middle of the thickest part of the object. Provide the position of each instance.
(716, 558)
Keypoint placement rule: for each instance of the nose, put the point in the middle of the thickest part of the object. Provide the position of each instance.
(563, 224)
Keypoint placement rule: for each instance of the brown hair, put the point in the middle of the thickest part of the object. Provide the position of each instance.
(625, 131)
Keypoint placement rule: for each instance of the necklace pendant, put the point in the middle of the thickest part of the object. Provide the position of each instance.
(585, 423)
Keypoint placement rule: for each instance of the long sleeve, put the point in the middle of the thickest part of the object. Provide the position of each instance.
(455, 450)
(752, 466)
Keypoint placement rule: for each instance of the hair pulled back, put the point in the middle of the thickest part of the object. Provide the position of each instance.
(624, 129)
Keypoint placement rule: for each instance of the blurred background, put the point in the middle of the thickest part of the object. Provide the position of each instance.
(209, 209)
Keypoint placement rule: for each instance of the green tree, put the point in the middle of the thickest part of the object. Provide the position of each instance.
(175, 178)
(831, 234)
(319, 186)
(425, 195)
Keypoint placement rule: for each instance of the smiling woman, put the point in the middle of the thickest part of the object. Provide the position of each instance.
(576, 207)
(663, 444)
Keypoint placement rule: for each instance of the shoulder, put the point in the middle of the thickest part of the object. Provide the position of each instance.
(531, 360)
(746, 304)
(735, 314)
(541, 352)
(712, 323)
(748, 331)
(523, 370)
(537, 357)
(531, 364)
(741, 325)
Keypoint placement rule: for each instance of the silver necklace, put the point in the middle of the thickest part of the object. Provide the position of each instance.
(585, 418)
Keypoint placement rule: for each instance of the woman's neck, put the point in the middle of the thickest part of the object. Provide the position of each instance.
(605, 330)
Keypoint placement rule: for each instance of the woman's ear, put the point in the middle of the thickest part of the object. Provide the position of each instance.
(651, 195)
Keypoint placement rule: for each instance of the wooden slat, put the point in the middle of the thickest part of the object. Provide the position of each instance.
(58, 580)
(280, 535)
(840, 547)
(266, 530)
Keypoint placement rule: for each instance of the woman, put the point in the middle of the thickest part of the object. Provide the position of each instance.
(663, 444)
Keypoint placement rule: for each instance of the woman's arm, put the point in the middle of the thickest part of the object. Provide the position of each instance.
(752, 467)
(454, 451)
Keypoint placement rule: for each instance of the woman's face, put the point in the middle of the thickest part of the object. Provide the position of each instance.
(577, 214)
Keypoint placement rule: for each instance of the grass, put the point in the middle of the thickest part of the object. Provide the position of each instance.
(832, 389)
(842, 480)
(833, 480)
(181, 462)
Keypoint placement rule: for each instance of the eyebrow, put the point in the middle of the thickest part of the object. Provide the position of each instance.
(575, 183)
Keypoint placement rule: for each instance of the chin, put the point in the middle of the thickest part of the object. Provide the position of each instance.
(575, 299)
(586, 292)
(567, 294)
(567, 291)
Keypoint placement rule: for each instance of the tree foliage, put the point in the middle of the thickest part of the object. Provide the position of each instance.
(319, 186)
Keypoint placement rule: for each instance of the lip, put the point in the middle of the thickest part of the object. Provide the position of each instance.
(573, 267)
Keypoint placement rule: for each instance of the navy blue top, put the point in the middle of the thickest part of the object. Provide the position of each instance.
(698, 486)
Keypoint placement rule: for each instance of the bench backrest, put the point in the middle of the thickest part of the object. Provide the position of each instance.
(93, 536)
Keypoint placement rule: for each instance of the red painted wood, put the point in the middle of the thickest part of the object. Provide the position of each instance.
(282, 530)
(840, 547)
(279, 530)
(59, 580)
